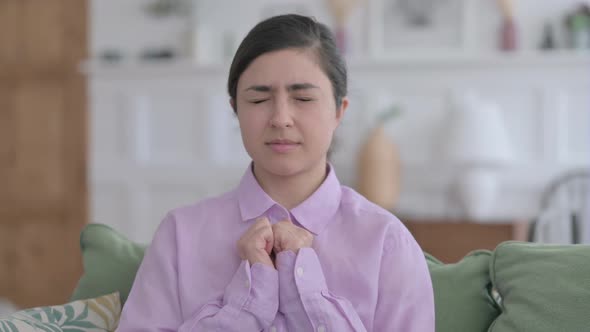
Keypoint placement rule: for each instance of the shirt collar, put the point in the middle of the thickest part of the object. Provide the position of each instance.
(252, 199)
(314, 213)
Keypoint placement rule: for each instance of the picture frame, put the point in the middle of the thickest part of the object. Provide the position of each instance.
(419, 27)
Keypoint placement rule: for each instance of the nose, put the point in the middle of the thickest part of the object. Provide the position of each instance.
(281, 116)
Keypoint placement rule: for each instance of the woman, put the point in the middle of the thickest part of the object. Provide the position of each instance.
(289, 249)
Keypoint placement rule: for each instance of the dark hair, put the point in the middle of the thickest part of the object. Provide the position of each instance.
(291, 31)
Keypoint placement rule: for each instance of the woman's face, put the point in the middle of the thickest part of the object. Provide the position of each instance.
(287, 113)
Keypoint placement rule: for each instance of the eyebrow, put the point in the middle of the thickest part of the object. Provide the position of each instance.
(301, 86)
(291, 87)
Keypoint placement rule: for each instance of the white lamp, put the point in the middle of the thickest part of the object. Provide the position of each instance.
(477, 144)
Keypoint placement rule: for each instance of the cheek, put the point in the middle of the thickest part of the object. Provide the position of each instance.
(320, 129)
(252, 129)
(250, 120)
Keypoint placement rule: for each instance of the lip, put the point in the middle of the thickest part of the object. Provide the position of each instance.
(282, 141)
(283, 145)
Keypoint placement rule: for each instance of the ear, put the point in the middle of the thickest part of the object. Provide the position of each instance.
(232, 103)
(341, 110)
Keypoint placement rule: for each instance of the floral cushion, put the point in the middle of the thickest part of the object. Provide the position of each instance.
(93, 315)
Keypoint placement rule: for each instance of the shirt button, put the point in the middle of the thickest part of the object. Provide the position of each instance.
(273, 329)
(299, 271)
(321, 328)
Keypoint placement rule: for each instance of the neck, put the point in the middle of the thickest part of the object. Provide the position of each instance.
(290, 191)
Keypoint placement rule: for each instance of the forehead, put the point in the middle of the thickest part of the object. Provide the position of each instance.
(284, 67)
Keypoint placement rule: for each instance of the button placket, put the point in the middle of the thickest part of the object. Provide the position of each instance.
(299, 272)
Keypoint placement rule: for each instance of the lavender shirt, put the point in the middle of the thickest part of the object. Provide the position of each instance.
(365, 271)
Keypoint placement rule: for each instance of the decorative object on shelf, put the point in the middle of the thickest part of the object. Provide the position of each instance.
(341, 11)
(478, 146)
(419, 26)
(578, 27)
(417, 13)
(158, 11)
(548, 41)
(208, 43)
(163, 53)
(508, 28)
(378, 168)
(165, 8)
(110, 55)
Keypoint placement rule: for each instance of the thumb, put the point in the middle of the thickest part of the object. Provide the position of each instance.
(269, 238)
(286, 221)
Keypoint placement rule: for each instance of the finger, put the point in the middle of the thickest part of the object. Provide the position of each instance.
(268, 237)
(262, 222)
(285, 222)
(269, 247)
(278, 241)
(258, 224)
(277, 249)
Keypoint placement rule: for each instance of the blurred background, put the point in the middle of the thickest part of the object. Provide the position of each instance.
(469, 120)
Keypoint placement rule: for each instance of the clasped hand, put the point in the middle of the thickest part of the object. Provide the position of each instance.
(262, 240)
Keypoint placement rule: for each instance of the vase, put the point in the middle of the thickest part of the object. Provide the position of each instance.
(508, 35)
(378, 171)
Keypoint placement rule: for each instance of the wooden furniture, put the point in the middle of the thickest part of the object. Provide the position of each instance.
(450, 240)
(43, 191)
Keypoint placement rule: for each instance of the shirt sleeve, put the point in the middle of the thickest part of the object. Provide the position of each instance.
(250, 301)
(404, 279)
(304, 298)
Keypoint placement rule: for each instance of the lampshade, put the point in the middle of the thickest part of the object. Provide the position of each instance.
(476, 135)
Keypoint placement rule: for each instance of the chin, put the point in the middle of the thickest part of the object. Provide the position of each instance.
(282, 166)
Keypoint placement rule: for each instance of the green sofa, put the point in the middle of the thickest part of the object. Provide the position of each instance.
(517, 287)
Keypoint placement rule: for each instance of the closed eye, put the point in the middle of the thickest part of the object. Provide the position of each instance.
(259, 101)
(304, 99)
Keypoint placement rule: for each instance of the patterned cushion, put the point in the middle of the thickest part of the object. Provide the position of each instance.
(93, 315)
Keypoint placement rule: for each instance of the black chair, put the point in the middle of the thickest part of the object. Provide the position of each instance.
(565, 204)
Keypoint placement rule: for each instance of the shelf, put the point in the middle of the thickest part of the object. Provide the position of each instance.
(436, 60)
(555, 58)
(151, 68)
